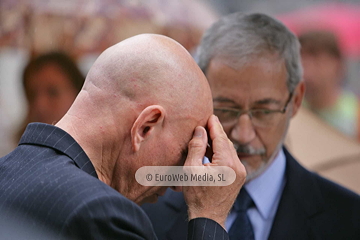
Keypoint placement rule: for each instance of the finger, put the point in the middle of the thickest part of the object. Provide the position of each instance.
(215, 127)
(197, 147)
(220, 141)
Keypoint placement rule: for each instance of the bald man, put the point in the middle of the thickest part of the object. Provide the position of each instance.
(144, 102)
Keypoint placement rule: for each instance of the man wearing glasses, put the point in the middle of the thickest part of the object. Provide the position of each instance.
(252, 63)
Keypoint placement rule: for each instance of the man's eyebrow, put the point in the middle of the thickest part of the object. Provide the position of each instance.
(268, 101)
(223, 99)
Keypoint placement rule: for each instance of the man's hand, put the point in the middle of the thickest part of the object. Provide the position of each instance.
(213, 202)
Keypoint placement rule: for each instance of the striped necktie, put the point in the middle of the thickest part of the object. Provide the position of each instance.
(241, 229)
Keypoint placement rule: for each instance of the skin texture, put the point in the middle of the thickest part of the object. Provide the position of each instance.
(50, 94)
(141, 101)
(260, 83)
(217, 199)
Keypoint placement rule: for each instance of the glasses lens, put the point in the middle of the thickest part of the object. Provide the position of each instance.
(263, 117)
(225, 115)
(259, 117)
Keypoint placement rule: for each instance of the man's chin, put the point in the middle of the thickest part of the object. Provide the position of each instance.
(246, 156)
(250, 161)
(253, 164)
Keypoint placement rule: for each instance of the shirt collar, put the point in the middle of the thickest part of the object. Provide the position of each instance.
(266, 188)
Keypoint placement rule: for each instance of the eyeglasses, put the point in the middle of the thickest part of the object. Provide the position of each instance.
(259, 117)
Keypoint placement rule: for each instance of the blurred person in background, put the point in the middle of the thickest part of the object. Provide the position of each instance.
(5, 133)
(51, 82)
(324, 74)
(253, 66)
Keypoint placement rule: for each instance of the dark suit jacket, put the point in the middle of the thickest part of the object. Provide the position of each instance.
(311, 207)
(49, 181)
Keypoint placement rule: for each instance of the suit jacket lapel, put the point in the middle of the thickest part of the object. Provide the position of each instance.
(300, 201)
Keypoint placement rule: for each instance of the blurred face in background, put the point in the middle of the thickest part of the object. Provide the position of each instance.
(50, 94)
(321, 71)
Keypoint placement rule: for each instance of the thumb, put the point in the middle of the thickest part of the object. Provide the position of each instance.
(197, 147)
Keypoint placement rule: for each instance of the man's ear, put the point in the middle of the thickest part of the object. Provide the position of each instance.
(298, 97)
(150, 119)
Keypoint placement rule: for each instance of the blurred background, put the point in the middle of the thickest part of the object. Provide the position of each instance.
(40, 40)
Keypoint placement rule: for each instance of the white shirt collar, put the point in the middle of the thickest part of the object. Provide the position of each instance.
(266, 188)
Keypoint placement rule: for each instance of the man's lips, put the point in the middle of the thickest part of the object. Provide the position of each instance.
(245, 155)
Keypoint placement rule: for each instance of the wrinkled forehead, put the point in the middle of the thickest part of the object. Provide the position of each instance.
(265, 77)
(238, 60)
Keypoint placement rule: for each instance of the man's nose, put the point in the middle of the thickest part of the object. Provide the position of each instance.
(243, 131)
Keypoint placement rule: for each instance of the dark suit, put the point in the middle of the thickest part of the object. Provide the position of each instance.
(310, 207)
(49, 180)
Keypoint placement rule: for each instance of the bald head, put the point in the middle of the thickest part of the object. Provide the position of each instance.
(140, 104)
(147, 69)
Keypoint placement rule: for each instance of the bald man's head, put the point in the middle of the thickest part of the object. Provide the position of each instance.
(140, 104)
(148, 69)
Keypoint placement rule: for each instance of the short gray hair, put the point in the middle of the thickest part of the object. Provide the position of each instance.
(241, 37)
